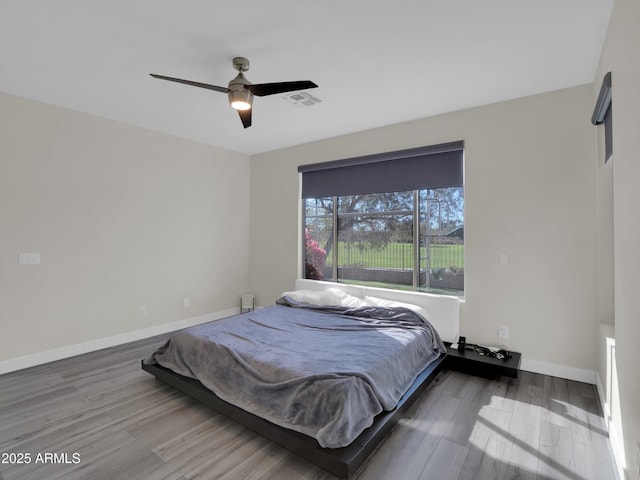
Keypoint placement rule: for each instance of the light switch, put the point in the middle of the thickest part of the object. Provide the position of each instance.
(504, 259)
(28, 258)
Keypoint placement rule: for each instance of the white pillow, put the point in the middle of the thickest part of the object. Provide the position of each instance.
(330, 296)
(304, 296)
(343, 299)
(382, 302)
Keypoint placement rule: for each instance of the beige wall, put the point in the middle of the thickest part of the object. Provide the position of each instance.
(619, 226)
(122, 217)
(529, 189)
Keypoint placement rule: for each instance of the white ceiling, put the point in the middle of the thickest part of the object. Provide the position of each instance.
(376, 62)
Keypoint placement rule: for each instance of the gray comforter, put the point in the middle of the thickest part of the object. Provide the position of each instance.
(322, 371)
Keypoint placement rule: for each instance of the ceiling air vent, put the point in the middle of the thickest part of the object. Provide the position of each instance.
(302, 99)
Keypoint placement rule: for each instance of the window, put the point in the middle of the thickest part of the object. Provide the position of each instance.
(358, 232)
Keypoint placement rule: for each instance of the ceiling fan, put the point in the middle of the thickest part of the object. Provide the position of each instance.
(241, 90)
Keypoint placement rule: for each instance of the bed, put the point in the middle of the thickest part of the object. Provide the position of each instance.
(274, 370)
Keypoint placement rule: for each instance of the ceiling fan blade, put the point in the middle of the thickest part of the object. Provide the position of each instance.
(193, 84)
(245, 116)
(262, 89)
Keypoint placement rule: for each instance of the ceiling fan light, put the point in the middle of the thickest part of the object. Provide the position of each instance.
(239, 105)
(240, 99)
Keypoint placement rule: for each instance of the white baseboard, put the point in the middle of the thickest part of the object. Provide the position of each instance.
(561, 371)
(617, 449)
(47, 356)
(587, 376)
(616, 446)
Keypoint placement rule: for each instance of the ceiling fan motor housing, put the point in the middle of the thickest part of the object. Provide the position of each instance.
(239, 97)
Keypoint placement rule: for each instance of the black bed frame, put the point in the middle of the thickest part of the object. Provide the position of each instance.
(341, 462)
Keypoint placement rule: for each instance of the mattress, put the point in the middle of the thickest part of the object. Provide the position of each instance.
(322, 370)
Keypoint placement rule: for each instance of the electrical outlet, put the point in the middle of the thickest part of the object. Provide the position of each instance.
(503, 332)
(143, 310)
(186, 302)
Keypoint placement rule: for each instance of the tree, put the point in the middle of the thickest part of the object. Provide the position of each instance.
(314, 258)
(367, 215)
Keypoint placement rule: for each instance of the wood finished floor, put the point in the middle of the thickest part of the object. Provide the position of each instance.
(124, 424)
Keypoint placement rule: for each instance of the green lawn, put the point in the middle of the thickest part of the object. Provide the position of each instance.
(399, 255)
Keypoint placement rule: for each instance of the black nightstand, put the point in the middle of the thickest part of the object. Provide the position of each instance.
(471, 362)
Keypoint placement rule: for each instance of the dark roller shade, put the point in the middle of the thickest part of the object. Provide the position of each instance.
(602, 114)
(437, 166)
(608, 133)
